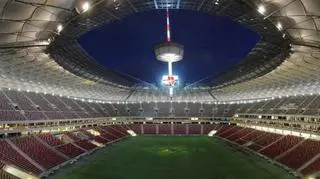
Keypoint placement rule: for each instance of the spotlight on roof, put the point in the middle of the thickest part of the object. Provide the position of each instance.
(261, 9)
(59, 28)
(82, 6)
(85, 6)
(279, 26)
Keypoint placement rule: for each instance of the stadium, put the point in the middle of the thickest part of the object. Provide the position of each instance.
(65, 115)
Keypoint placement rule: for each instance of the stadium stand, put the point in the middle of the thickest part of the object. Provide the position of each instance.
(280, 146)
(70, 150)
(292, 151)
(5, 175)
(57, 103)
(179, 129)
(12, 156)
(33, 106)
(85, 144)
(303, 153)
(149, 129)
(50, 139)
(312, 168)
(165, 129)
(194, 129)
(39, 152)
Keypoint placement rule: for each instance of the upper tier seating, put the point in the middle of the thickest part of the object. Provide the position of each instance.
(40, 101)
(5, 104)
(21, 100)
(11, 116)
(46, 106)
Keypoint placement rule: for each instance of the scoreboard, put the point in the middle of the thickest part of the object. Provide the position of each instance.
(170, 81)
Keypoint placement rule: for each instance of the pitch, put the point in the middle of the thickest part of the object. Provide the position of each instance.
(171, 158)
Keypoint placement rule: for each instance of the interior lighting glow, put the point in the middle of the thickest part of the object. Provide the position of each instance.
(279, 26)
(85, 6)
(261, 9)
(59, 28)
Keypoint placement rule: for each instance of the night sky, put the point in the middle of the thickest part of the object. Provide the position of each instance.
(213, 44)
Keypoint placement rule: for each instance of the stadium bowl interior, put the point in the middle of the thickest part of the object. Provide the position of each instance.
(62, 112)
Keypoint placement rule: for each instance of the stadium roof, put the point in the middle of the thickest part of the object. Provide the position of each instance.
(37, 36)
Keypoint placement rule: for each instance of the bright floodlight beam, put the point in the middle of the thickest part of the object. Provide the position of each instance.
(169, 52)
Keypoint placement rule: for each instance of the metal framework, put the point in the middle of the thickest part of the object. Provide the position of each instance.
(36, 55)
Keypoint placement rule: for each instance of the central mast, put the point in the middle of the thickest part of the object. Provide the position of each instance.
(169, 52)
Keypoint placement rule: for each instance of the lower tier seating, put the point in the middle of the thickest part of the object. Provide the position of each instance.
(312, 168)
(38, 152)
(50, 139)
(304, 152)
(85, 144)
(5, 175)
(281, 146)
(179, 129)
(70, 150)
(149, 129)
(11, 156)
(194, 129)
(164, 129)
(47, 151)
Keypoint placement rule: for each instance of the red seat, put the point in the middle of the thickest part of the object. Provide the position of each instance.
(39, 152)
(302, 154)
(70, 150)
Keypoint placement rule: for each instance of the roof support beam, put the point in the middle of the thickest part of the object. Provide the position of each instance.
(269, 15)
(39, 43)
(178, 4)
(155, 4)
(132, 6)
(201, 4)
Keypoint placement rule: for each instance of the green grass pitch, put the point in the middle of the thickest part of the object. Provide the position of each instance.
(171, 158)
